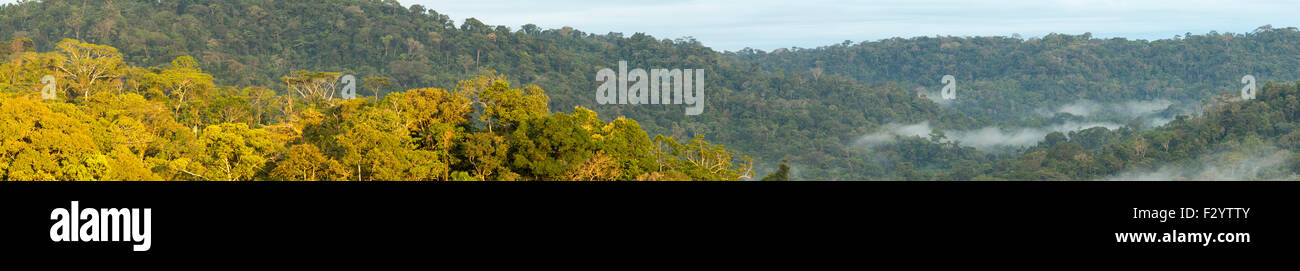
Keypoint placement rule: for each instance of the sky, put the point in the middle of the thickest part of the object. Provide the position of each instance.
(769, 24)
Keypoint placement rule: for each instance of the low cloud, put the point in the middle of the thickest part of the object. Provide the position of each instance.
(984, 139)
(1259, 163)
(1153, 113)
(935, 96)
(1129, 109)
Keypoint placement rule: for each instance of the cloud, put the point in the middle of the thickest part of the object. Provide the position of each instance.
(889, 131)
(1153, 113)
(1128, 110)
(935, 96)
(1257, 163)
(988, 139)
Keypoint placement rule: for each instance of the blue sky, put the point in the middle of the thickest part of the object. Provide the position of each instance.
(770, 24)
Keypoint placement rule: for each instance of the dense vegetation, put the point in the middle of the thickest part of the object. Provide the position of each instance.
(1021, 82)
(108, 120)
(1230, 140)
(223, 62)
(255, 43)
(1009, 77)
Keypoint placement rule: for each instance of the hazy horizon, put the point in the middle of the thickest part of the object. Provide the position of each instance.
(732, 25)
(770, 24)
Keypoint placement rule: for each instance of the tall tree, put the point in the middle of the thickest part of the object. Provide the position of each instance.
(90, 67)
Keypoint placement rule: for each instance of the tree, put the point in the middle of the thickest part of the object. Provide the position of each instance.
(15, 47)
(131, 134)
(229, 152)
(314, 88)
(127, 166)
(227, 106)
(547, 147)
(183, 80)
(262, 103)
(374, 144)
(90, 67)
(431, 113)
(626, 143)
(781, 174)
(1054, 138)
(937, 136)
(701, 160)
(304, 162)
(47, 143)
(376, 84)
(487, 154)
(24, 71)
(501, 105)
(599, 167)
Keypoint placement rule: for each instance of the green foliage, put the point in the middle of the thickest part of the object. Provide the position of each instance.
(807, 106)
(781, 174)
(41, 142)
(771, 116)
(147, 128)
(305, 162)
(1228, 133)
(1009, 77)
(90, 67)
(229, 152)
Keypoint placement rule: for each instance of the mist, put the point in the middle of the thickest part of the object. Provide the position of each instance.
(987, 139)
(935, 96)
(1257, 163)
(1129, 109)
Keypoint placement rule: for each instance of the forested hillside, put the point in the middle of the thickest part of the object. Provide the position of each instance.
(1103, 94)
(81, 113)
(1232, 139)
(255, 43)
(1008, 78)
(1057, 107)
